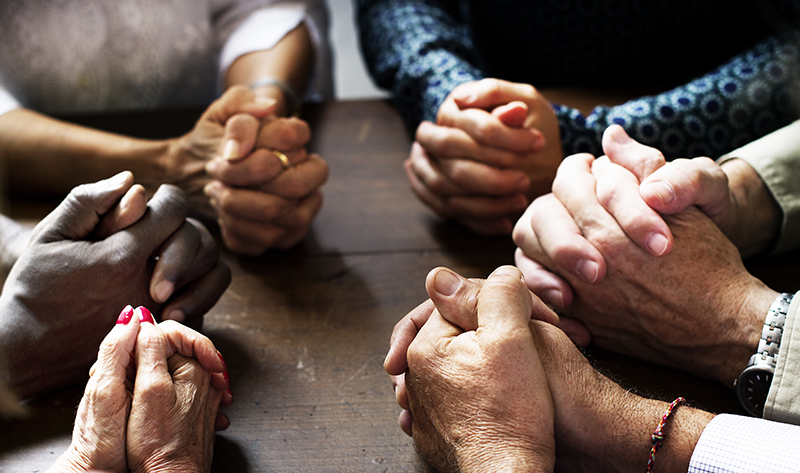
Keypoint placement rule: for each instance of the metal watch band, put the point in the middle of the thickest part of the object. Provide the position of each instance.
(770, 342)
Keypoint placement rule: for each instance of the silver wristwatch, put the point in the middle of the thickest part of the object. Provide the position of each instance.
(752, 385)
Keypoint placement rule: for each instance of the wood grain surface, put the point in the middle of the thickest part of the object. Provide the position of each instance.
(305, 332)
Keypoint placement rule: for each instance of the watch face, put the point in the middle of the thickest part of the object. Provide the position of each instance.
(752, 389)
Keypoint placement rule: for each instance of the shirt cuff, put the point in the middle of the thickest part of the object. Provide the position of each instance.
(776, 159)
(264, 28)
(738, 444)
(7, 102)
(783, 401)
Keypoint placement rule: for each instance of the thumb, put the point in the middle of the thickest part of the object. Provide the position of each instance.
(512, 114)
(454, 296)
(637, 158)
(504, 302)
(78, 215)
(239, 99)
(151, 355)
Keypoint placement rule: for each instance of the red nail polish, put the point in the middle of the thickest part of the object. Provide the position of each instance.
(145, 315)
(227, 379)
(224, 365)
(125, 315)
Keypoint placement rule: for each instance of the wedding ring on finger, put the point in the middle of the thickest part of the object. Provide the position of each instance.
(283, 159)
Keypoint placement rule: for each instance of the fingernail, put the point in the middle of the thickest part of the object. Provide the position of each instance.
(463, 96)
(386, 360)
(588, 270)
(507, 271)
(446, 283)
(224, 365)
(163, 290)
(663, 190)
(230, 150)
(619, 136)
(657, 243)
(118, 180)
(538, 142)
(125, 316)
(126, 200)
(175, 314)
(553, 297)
(264, 101)
(214, 165)
(227, 379)
(145, 315)
(210, 189)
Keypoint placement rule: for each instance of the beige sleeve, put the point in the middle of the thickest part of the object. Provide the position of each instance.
(776, 158)
(783, 401)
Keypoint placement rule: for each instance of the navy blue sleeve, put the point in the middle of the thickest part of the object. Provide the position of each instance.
(753, 94)
(416, 49)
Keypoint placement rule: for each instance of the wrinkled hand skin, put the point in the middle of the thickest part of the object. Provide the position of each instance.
(184, 162)
(457, 384)
(63, 293)
(691, 309)
(172, 417)
(454, 378)
(98, 439)
(259, 204)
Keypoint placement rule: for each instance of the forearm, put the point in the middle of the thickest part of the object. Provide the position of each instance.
(48, 156)
(291, 61)
(615, 436)
(768, 168)
(706, 117)
(759, 215)
(418, 51)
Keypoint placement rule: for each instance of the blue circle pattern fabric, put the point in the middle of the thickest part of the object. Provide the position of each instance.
(421, 52)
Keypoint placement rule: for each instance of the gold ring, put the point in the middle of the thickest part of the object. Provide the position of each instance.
(282, 157)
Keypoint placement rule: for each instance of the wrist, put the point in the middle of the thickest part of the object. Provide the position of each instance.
(628, 422)
(171, 467)
(286, 102)
(752, 306)
(758, 216)
(14, 238)
(71, 462)
(501, 456)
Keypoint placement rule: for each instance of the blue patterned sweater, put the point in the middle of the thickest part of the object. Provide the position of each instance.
(729, 70)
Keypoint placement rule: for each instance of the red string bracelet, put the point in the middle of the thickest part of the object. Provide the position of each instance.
(658, 434)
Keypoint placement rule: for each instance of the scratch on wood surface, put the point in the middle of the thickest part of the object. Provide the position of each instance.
(363, 133)
(360, 370)
(233, 294)
(309, 372)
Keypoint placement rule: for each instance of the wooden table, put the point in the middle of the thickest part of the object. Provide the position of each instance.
(305, 331)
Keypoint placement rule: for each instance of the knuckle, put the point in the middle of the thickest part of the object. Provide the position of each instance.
(154, 387)
(269, 211)
(436, 185)
(491, 87)
(484, 131)
(607, 195)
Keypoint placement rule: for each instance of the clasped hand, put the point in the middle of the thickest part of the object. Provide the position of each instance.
(495, 146)
(103, 247)
(258, 202)
(641, 263)
(487, 382)
(152, 400)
